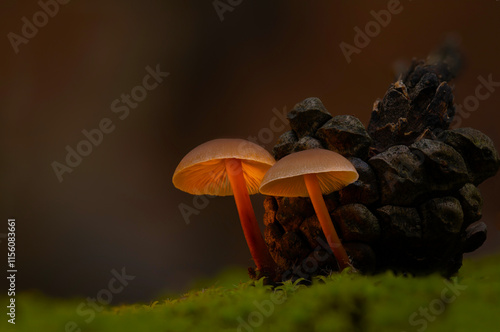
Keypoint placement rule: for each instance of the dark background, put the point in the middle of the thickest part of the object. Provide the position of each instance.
(118, 208)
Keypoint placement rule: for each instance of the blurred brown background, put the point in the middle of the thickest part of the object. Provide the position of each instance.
(118, 208)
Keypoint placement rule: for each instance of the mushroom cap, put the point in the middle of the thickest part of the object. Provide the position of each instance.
(203, 170)
(286, 177)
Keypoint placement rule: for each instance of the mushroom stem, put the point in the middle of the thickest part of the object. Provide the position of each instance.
(253, 236)
(319, 205)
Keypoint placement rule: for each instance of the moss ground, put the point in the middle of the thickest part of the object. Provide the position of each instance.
(342, 302)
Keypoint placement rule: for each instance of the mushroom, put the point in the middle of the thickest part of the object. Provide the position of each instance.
(312, 173)
(225, 167)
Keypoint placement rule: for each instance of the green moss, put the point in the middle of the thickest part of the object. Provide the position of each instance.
(341, 302)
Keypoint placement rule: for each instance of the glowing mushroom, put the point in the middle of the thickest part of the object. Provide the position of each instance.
(312, 173)
(225, 167)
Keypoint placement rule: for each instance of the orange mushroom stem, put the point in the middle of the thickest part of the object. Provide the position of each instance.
(253, 236)
(313, 188)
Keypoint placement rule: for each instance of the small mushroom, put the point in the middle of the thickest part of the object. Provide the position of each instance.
(225, 167)
(312, 173)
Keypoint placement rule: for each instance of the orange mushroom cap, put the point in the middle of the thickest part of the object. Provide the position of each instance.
(285, 178)
(203, 170)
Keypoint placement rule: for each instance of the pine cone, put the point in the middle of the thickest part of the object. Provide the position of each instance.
(415, 207)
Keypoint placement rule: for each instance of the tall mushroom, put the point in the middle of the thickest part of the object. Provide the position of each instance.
(312, 173)
(225, 167)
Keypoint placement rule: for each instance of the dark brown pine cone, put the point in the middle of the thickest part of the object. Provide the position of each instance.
(415, 207)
